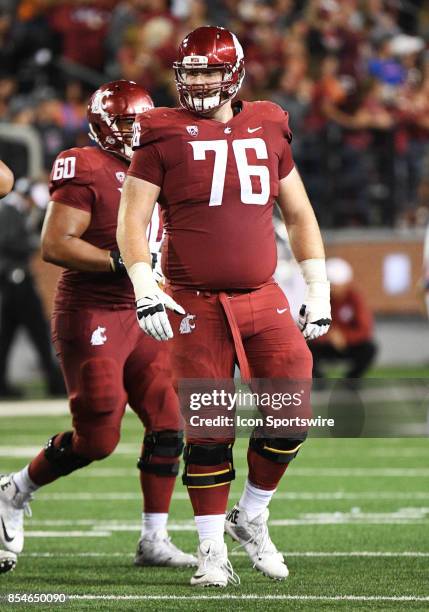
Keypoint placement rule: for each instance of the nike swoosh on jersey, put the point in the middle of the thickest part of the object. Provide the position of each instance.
(251, 130)
(6, 535)
(281, 310)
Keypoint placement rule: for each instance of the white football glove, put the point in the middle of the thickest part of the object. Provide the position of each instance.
(151, 303)
(315, 313)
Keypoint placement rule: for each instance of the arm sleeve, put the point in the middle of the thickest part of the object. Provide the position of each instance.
(77, 196)
(147, 165)
(286, 163)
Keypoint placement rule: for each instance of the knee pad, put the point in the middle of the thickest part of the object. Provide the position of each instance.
(208, 454)
(62, 458)
(100, 385)
(278, 450)
(161, 444)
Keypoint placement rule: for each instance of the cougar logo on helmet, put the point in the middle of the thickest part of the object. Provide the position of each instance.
(111, 112)
(99, 100)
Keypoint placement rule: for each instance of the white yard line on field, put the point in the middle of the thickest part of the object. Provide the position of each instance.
(309, 553)
(30, 451)
(107, 527)
(173, 527)
(130, 449)
(34, 408)
(290, 495)
(250, 597)
(297, 471)
(355, 515)
(25, 451)
(97, 533)
(413, 514)
(362, 472)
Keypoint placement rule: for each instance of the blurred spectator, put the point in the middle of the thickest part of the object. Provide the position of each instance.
(147, 57)
(83, 26)
(385, 67)
(350, 337)
(48, 123)
(20, 305)
(8, 87)
(72, 113)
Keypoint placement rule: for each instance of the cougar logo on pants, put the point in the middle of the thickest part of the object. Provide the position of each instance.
(98, 336)
(187, 325)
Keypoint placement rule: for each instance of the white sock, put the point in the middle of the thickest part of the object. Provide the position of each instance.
(210, 527)
(254, 500)
(23, 481)
(153, 521)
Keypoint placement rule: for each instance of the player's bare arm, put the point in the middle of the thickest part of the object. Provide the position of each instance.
(307, 246)
(299, 217)
(62, 243)
(6, 179)
(135, 211)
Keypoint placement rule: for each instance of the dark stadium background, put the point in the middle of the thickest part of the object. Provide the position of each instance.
(354, 76)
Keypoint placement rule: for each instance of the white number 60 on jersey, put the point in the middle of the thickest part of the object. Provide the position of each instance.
(245, 170)
(64, 168)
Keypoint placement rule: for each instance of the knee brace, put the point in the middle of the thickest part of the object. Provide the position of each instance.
(161, 444)
(278, 450)
(208, 454)
(62, 458)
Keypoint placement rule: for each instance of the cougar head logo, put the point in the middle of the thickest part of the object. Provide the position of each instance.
(98, 336)
(187, 324)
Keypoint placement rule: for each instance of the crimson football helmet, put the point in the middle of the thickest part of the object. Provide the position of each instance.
(207, 49)
(111, 113)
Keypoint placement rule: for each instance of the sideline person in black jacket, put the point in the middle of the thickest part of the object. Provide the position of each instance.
(20, 304)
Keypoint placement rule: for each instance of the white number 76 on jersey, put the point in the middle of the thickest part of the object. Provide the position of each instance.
(245, 170)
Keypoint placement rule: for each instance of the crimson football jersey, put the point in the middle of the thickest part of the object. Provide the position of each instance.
(91, 179)
(218, 185)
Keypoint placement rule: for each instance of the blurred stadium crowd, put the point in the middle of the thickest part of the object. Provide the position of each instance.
(353, 74)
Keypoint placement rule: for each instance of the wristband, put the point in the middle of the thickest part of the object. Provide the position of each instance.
(116, 263)
(313, 270)
(142, 279)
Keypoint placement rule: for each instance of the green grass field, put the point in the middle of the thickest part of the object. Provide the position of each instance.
(352, 517)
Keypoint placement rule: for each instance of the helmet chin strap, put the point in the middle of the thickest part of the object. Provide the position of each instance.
(126, 148)
(92, 134)
(128, 151)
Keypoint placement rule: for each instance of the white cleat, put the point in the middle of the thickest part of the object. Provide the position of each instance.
(214, 567)
(253, 536)
(13, 505)
(158, 550)
(8, 561)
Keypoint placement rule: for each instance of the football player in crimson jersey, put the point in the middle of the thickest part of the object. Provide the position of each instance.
(105, 358)
(217, 167)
